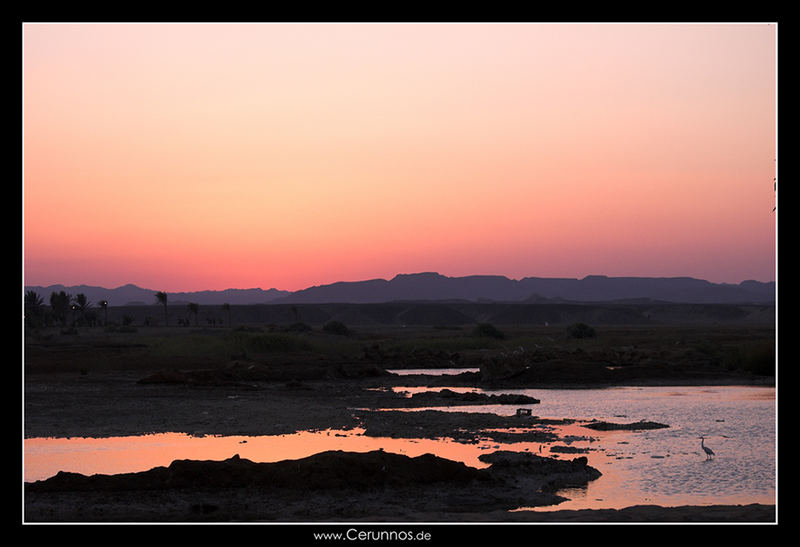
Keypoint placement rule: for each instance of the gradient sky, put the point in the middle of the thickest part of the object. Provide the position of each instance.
(185, 157)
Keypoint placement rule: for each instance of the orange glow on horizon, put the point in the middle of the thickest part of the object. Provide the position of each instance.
(187, 157)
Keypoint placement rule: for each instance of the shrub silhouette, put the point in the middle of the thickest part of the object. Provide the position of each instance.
(580, 330)
(277, 342)
(335, 327)
(300, 327)
(488, 330)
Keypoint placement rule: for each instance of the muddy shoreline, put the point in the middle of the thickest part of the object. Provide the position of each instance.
(402, 493)
(119, 404)
(88, 389)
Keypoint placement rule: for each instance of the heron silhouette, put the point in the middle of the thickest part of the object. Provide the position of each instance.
(707, 450)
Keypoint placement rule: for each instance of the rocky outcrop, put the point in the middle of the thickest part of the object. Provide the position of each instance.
(329, 485)
(547, 475)
(323, 471)
(471, 397)
(609, 426)
(468, 427)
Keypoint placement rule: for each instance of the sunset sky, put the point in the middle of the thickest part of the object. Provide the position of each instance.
(185, 157)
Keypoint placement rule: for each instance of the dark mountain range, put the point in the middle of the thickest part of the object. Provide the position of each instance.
(131, 294)
(433, 286)
(595, 288)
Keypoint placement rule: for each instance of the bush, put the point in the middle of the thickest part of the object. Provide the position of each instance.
(758, 358)
(299, 327)
(488, 330)
(265, 343)
(247, 328)
(580, 330)
(335, 327)
(120, 329)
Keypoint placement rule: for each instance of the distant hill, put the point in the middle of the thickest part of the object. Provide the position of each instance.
(131, 294)
(595, 288)
(428, 286)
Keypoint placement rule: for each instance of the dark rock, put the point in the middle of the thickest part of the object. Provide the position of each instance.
(533, 463)
(547, 475)
(568, 449)
(609, 426)
(460, 426)
(474, 397)
(323, 471)
(204, 508)
(296, 384)
(165, 377)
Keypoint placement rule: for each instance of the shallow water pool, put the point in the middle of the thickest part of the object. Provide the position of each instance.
(662, 466)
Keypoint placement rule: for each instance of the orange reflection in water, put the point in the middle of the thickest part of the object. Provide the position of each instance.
(615, 490)
(44, 457)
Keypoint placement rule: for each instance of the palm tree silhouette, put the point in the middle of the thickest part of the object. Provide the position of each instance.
(161, 298)
(33, 305)
(227, 308)
(194, 308)
(81, 305)
(104, 304)
(33, 300)
(59, 302)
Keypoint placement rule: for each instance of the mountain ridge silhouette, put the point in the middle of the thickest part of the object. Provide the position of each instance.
(432, 286)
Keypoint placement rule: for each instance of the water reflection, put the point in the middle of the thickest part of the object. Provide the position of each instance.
(44, 457)
(664, 467)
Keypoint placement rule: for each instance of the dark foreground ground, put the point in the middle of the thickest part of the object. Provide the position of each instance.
(272, 380)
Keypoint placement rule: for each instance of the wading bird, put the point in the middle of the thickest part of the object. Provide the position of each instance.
(707, 450)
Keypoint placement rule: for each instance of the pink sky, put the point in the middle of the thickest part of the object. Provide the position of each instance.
(185, 157)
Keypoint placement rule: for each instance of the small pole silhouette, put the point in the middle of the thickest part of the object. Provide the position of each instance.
(775, 189)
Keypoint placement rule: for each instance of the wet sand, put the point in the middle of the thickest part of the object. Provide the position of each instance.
(114, 384)
(133, 403)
